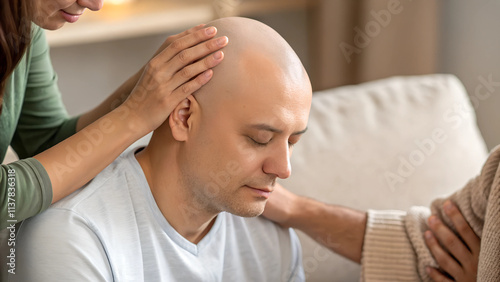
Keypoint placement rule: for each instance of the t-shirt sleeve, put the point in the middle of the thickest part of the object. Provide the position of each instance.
(26, 191)
(48, 250)
(44, 121)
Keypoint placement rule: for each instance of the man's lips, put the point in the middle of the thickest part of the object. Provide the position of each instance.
(265, 189)
(262, 191)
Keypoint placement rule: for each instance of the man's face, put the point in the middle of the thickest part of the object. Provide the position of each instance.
(241, 145)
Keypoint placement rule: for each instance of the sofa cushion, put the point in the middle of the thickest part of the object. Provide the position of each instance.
(387, 144)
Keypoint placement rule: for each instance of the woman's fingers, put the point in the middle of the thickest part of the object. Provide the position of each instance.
(442, 257)
(196, 52)
(174, 37)
(183, 59)
(189, 71)
(190, 87)
(183, 43)
(189, 62)
(181, 53)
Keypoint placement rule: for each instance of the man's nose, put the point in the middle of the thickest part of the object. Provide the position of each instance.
(278, 163)
(94, 5)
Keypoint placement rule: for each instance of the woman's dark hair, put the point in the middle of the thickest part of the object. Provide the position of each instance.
(15, 36)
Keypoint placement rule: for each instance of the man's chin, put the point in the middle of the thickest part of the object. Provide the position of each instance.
(250, 211)
(251, 214)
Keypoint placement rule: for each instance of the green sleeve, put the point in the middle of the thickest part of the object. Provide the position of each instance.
(26, 190)
(43, 121)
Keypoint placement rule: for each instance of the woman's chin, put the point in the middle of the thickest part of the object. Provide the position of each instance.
(50, 24)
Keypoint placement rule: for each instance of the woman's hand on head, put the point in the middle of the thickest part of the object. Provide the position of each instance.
(180, 67)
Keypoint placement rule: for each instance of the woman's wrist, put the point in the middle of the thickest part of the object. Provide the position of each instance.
(135, 124)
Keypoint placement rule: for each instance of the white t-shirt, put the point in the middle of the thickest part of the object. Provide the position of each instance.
(113, 231)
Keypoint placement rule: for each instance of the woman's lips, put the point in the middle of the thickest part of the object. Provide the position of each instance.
(71, 18)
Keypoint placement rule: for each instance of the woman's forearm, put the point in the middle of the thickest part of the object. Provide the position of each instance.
(76, 160)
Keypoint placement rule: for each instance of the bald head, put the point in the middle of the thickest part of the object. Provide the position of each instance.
(255, 54)
(227, 144)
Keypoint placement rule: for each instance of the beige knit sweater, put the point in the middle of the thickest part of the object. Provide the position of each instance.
(394, 248)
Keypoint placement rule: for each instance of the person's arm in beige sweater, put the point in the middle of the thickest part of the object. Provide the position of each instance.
(390, 244)
(478, 201)
(388, 255)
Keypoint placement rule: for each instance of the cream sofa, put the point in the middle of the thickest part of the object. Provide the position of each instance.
(387, 144)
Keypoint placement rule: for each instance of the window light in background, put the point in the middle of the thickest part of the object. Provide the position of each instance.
(119, 2)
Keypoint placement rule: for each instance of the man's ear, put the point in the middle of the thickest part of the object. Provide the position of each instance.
(181, 118)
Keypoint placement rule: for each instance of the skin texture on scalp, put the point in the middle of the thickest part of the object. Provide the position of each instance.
(252, 45)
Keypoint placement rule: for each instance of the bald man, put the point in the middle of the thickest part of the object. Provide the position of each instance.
(184, 207)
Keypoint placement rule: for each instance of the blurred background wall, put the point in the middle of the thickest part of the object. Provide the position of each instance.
(339, 41)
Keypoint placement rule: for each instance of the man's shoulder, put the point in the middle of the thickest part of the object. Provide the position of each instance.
(101, 207)
(105, 201)
(105, 188)
(262, 231)
(258, 239)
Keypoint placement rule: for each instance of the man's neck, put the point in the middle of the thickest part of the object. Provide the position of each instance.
(177, 206)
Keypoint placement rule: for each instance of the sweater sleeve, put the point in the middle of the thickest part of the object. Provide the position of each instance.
(388, 253)
(43, 121)
(394, 247)
(26, 191)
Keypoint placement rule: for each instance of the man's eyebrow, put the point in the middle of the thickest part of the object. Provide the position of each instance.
(263, 126)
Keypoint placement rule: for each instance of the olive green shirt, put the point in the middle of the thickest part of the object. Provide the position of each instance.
(33, 119)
